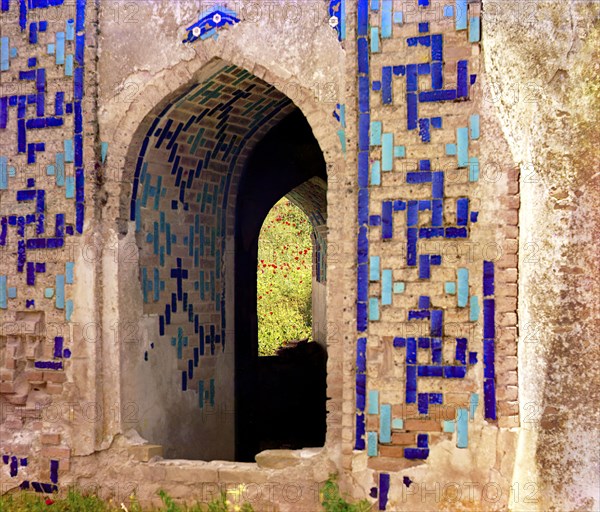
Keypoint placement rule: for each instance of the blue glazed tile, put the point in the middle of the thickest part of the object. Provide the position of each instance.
(474, 29)
(387, 220)
(386, 85)
(375, 40)
(462, 211)
(437, 320)
(462, 138)
(473, 169)
(386, 287)
(423, 403)
(437, 187)
(376, 127)
(461, 14)
(462, 74)
(363, 55)
(376, 173)
(385, 424)
(423, 27)
(416, 453)
(373, 402)
(411, 384)
(474, 125)
(372, 444)
(489, 398)
(488, 278)
(387, 152)
(411, 78)
(412, 110)
(399, 342)
(489, 329)
(384, 488)
(424, 267)
(386, 19)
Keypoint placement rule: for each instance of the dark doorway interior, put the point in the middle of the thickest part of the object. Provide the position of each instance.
(280, 400)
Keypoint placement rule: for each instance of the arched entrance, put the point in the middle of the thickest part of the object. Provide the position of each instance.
(203, 169)
(292, 414)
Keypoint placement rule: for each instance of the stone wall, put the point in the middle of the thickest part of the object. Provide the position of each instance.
(461, 220)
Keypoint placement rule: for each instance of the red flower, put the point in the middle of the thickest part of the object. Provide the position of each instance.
(49, 501)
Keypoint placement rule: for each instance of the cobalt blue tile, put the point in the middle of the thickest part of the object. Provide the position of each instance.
(363, 169)
(412, 110)
(436, 259)
(423, 403)
(437, 80)
(363, 55)
(436, 398)
(489, 398)
(424, 343)
(363, 17)
(461, 350)
(363, 94)
(411, 78)
(411, 351)
(430, 371)
(386, 85)
(424, 267)
(399, 342)
(418, 177)
(416, 453)
(437, 316)
(363, 207)
(384, 487)
(424, 68)
(411, 246)
(437, 187)
(462, 87)
(424, 204)
(441, 95)
(399, 205)
(454, 372)
(424, 165)
(418, 314)
(399, 70)
(361, 317)
(488, 278)
(412, 215)
(422, 440)
(489, 328)
(411, 384)
(363, 282)
(462, 211)
(375, 220)
(376, 85)
(387, 220)
(360, 432)
(423, 27)
(431, 232)
(363, 132)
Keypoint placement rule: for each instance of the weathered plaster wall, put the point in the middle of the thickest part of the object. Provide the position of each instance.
(543, 61)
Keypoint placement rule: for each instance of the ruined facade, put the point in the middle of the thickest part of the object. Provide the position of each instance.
(446, 155)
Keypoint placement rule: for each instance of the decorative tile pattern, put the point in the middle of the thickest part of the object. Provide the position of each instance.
(41, 212)
(186, 176)
(426, 212)
(209, 21)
